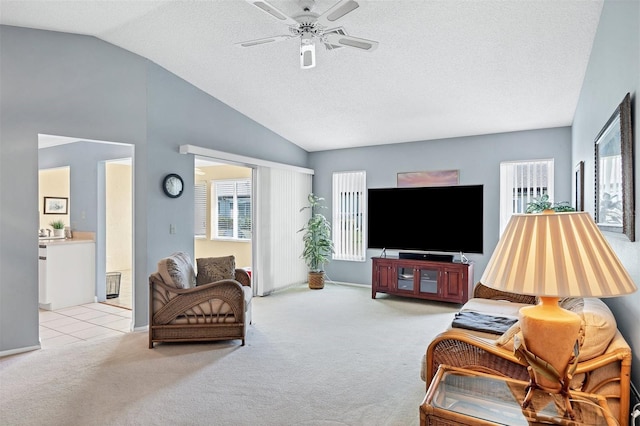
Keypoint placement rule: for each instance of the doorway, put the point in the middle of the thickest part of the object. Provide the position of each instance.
(91, 165)
(223, 211)
(119, 232)
(278, 190)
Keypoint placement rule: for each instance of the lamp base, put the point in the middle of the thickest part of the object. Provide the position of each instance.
(550, 334)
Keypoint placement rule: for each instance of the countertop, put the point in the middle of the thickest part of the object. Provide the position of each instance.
(78, 237)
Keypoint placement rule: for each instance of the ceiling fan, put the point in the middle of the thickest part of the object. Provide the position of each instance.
(311, 27)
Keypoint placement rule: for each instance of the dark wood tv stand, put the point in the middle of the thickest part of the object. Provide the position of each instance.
(422, 279)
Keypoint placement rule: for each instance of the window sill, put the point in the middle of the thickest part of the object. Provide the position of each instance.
(230, 240)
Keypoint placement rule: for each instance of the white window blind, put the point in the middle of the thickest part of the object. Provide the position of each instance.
(233, 209)
(279, 245)
(200, 210)
(349, 212)
(520, 183)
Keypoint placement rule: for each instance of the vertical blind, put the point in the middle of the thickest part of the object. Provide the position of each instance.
(279, 245)
(520, 183)
(349, 211)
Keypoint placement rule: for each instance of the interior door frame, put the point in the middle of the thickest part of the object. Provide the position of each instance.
(253, 164)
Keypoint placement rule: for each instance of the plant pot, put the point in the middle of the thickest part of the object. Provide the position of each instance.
(316, 280)
(58, 232)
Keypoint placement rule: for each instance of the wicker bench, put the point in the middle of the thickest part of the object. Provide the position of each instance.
(607, 374)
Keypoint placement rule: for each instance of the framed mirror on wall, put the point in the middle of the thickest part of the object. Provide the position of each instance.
(579, 186)
(614, 209)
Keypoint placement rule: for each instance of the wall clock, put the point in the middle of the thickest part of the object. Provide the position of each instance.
(173, 185)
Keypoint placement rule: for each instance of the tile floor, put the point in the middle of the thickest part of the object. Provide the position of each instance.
(83, 322)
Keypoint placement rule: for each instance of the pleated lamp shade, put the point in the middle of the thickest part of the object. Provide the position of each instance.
(556, 255)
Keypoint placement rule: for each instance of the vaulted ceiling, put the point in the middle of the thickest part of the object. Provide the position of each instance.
(443, 68)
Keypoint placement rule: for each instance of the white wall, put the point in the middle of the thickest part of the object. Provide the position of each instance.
(119, 214)
(53, 183)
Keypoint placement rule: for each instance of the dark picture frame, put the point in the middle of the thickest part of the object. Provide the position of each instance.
(56, 205)
(614, 193)
(579, 184)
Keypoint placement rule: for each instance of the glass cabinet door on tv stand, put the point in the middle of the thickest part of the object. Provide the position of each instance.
(405, 279)
(428, 277)
(422, 280)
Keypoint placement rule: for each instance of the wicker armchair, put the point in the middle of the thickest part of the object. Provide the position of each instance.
(607, 374)
(218, 310)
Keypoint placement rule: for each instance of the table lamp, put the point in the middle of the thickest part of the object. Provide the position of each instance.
(554, 255)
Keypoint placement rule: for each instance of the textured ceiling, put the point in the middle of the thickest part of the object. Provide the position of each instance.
(443, 68)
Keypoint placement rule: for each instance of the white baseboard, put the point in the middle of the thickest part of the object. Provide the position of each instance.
(20, 350)
(349, 284)
(279, 289)
(327, 281)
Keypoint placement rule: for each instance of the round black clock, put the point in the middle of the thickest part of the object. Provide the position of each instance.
(173, 185)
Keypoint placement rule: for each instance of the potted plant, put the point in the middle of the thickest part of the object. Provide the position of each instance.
(318, 245)
(542, 203)
(58, 228)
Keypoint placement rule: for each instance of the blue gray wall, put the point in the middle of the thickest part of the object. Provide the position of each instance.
(78, 86)
(613, 71)
(476, 157)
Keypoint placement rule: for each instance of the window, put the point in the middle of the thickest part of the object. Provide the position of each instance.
(349, 212)
(520, 183)
(200, 217)
(233, 209)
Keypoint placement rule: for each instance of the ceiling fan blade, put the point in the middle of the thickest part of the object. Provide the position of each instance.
(251, 43)
(273, 11)
(337, 11)
(349, 41)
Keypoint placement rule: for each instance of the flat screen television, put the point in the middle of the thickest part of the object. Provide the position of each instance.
(433, 219)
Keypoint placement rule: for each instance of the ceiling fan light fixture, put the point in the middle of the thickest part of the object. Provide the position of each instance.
(307, 55)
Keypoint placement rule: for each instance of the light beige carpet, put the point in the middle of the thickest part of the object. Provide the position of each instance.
(313, 357)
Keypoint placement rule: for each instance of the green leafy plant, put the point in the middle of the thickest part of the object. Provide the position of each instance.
(318, 245)
(542, 203)
(57, 224)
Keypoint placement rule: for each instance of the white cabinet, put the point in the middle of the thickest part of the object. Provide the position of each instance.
(66, 274)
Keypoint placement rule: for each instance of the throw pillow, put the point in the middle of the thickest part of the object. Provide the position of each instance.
(177, 270)
(599, 325)
(212, 269)
(598, 328)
